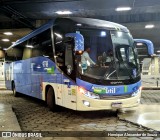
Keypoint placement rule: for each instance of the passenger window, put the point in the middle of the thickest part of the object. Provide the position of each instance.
(27, 53)
(42, 45)
(16, 53)
(59, 47)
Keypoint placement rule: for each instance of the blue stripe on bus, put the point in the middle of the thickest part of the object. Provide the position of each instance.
(109, 90)
(30, 73)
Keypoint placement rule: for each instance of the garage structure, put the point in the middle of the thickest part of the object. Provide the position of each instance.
(18, 18)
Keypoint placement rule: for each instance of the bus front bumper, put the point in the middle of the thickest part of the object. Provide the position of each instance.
(85, 103)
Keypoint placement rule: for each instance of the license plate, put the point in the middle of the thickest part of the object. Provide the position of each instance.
(116, 105)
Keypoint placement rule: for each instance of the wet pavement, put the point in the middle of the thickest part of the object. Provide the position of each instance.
(145, 115)
(33, 115)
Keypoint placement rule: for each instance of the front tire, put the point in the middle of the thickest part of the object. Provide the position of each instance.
(51, 99)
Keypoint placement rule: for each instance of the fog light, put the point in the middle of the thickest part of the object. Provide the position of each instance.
(138, 100)
(86, 103)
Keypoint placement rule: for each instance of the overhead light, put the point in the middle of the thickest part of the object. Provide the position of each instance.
(139, 44)
(45, 55)
(79, 24)
(158, 51)
(4, 49)
(123, 8)
(58, 35)
(149, 26)
(64, 12)
(8, 33)
(103, 33)
(119, 34)
(5, 40)
(29, 46)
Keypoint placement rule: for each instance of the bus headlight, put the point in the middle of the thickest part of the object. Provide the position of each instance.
(88, 94)
(136, 92)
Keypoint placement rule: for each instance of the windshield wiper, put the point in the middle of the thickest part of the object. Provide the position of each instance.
(111, 67)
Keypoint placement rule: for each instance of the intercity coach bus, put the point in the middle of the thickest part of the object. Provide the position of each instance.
(46, 64)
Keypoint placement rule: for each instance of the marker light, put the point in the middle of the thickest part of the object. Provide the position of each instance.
(123, 9)
(86, 103)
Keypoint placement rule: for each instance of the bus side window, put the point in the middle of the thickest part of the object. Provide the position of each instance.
(42, 45)
(27, 53)
(59, 47)
(14, 54)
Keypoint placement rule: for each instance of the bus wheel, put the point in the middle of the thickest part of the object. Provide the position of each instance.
(15, 93)
(51, 99)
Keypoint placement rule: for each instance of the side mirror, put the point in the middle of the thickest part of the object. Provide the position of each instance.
(78, 40)
(68, 39)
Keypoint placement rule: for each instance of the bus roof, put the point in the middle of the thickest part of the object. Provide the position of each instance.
(87, 21)
(97, 23)
(148, 43)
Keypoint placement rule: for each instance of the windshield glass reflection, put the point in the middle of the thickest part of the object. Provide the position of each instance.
(107, 55)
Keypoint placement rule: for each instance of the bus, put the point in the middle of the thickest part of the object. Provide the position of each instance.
(150, 63)
(145, 49)
(46, 64)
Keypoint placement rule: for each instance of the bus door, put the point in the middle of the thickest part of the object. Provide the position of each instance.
(74, 43)
(64, 90)
(59, 88)
(69, 94)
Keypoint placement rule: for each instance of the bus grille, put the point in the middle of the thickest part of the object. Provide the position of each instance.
(114, 97)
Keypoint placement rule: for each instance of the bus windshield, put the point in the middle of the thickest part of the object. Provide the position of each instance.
(108, 55)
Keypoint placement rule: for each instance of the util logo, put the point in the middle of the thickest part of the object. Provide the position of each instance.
(110, 90)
